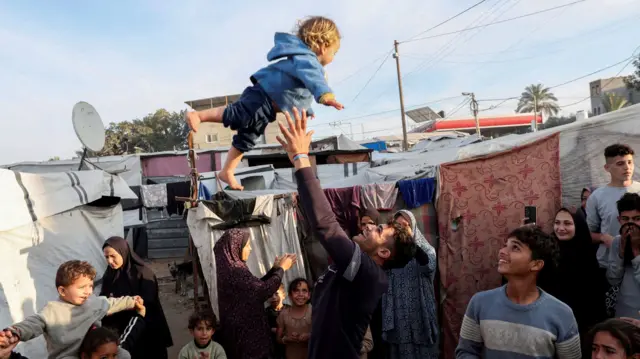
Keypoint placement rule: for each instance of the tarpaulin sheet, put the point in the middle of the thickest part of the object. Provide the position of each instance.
(481, 201)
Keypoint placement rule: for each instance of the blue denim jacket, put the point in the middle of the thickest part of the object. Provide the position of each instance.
(296, 79)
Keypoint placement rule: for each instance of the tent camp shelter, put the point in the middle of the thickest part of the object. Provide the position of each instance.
(47, 219)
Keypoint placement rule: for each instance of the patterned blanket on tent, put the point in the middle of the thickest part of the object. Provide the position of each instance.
(481, 201)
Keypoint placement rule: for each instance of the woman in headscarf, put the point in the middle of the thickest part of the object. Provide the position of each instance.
(369, 217)
(409, 319)
(576, 280)
(244, 330)
(128, 275)
(584, 196)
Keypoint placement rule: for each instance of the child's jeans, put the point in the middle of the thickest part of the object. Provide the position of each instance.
(249, 116)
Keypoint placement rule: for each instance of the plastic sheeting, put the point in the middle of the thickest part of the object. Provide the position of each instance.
(128, 167)
(327, 174)
(31, 254)
(582, 145)
(27, 197)
(267, 241)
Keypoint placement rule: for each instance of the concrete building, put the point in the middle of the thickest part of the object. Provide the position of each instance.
(614, 85)
(213, 135)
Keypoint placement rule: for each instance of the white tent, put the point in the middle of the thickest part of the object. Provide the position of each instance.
(267, 240)
(582, 145)
(48, 219)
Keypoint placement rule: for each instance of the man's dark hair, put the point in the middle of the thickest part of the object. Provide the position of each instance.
(70, 271)
(206, 316)
(543, 246)
(403, 247)
(618, 150)
(629, 202)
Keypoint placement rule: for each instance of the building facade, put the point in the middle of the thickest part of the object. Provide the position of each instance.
(613, 85)
(213, 135)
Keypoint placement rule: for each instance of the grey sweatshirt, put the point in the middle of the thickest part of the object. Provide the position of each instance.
(64, 325)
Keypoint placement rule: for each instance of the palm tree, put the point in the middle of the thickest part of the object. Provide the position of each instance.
(538, 99)
(612, 102)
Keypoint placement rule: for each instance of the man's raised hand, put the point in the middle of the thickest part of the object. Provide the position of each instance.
(295, 138)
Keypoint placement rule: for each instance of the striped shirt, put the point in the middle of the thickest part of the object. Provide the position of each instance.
(494, 328)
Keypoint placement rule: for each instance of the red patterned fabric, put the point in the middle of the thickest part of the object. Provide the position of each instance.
(488, 195)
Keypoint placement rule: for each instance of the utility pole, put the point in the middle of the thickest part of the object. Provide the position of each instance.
(474, 110)
(396, 55)
(534, 125)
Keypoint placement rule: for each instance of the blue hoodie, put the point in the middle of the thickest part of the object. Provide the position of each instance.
(297, 79)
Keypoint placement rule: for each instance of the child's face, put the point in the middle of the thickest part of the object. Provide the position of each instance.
(202, 333)
(327, 54)
(300, 294)
(277, 298)
(629, 217)
(78, 292)
(515, 258)
(105, 351)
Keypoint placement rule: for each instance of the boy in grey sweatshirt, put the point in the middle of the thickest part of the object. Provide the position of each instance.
(65, 322)
(519, 320)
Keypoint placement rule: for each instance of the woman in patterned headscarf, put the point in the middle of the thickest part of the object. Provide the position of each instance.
(409, 319)
(244, 331)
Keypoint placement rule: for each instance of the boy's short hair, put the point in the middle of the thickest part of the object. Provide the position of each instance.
(318, 31)
(70, 271)
(628, 202)
(543, 246)
(206, 316)
(618, 149)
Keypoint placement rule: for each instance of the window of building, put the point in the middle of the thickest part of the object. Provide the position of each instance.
(211, 138)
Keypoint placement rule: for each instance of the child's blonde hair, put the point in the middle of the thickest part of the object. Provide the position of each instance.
(317, 32)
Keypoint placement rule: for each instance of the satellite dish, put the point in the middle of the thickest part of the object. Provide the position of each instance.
(88, 126)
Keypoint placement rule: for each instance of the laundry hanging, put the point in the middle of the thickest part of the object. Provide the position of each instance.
(417, 192)
(177, 189)
(154, 195)
(379, 196)
(345, 203)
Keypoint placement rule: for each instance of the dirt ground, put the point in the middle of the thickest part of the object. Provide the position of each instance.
(177, 308)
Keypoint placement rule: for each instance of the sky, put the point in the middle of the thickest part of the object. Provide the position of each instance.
(130, 58)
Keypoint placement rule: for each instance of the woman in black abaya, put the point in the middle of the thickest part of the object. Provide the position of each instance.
(127, 275)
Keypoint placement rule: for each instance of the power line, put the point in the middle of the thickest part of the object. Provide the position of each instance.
(611, 80)
(447, 20)
(390, 111)
(496, 22)
(595, 72)
(628, 61)
(440, 51)
(371, 78)
(344, 79)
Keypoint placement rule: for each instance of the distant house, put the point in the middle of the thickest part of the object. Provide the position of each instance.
(612, 85)
(213, 135)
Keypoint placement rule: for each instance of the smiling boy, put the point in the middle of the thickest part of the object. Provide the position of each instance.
(519, 319)
(64, 322)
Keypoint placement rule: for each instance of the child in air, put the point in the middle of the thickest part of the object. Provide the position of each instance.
(295, 80)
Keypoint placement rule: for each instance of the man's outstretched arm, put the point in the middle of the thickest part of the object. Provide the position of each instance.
(316, 206)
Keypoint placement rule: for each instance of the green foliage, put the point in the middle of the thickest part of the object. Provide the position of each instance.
(612, 102)
(540, 99)
(633, 81)
(158, 131)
